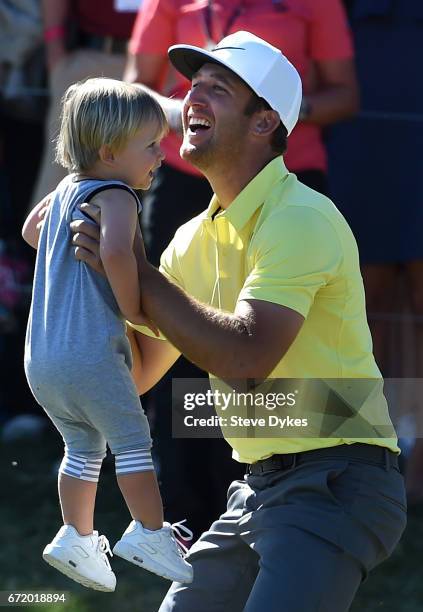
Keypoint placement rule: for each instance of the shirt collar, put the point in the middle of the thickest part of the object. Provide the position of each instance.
(252, 196)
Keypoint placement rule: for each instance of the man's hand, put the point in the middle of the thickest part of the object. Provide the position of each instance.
(86, 238)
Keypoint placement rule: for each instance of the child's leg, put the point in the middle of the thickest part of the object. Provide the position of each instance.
(142, 496)
(77, 499)
(77, 551)
(147, 542)
(137, 481)
(78, 478)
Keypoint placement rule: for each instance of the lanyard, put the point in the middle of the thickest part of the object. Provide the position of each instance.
(208, 22)
(278, 5)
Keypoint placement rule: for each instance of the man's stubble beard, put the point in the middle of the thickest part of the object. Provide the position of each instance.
(213, 154)
(200, 157)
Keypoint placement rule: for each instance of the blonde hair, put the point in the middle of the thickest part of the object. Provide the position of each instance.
(102, 111)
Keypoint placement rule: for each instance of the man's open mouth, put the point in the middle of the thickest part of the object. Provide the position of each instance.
(197, 125)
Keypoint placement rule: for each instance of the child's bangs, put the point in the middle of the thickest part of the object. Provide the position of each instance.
(151, 112)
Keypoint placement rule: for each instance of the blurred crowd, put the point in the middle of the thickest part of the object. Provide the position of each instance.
(358, 141)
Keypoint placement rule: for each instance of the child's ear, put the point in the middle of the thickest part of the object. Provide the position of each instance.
(105, 154)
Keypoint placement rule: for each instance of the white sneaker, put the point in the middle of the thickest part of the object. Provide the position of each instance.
(82, 558)
(157, 551)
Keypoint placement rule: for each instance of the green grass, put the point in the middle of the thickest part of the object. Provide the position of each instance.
(30, 517)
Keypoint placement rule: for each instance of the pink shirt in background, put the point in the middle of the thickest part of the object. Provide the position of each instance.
(304, 30)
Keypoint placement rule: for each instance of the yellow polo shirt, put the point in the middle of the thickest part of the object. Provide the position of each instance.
(281, 242)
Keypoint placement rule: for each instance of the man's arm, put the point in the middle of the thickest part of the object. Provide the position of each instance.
(55, 14)
(248, 343)
(337, 97)
(331, 88)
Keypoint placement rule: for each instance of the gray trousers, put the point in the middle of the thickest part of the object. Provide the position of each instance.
(296, 540)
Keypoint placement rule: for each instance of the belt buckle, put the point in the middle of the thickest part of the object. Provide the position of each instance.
(278, 463)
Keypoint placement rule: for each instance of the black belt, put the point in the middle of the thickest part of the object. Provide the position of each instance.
(368, 453)
(106, 44)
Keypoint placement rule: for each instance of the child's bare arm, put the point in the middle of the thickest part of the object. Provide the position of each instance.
(119, 220)
(151, 358)
(34, 221)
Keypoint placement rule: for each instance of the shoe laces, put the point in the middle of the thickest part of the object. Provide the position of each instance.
(177, 529)
(104, 547)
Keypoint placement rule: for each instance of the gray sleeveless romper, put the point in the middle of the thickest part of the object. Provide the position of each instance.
(77, 356)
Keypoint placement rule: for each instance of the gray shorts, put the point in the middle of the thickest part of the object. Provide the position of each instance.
(95, 406)
(297, 540)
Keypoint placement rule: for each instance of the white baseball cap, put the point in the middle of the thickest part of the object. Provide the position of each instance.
(263, 67)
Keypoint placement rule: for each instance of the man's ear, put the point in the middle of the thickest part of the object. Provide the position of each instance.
(106, 154)
(265, 122)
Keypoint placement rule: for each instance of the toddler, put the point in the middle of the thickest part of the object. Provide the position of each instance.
(77, 356)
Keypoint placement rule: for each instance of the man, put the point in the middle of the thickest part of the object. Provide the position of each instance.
(266, 282)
